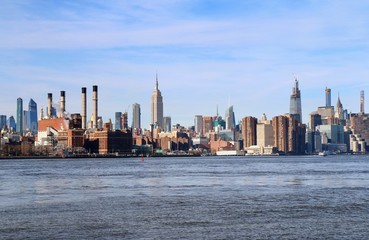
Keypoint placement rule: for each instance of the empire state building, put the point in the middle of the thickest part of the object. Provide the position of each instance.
(157, 106)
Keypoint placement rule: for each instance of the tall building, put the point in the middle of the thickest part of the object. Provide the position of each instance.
(264, 132)
(229, 118)
(124, 121)
(167, 124)
(207, 124)
(249, 131)
(19, 123)
(315, 120)
(136, 116)
(289, 134)
(328, 97)
(157, 106)
(31, 115)
(198, 124)
(118, 122)
(11, 123)
(2, 121)
(295, 102)
(339, 110)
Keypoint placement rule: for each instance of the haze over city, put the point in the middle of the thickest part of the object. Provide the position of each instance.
(206, 53)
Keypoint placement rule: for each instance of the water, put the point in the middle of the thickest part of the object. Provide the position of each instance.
(186, 198)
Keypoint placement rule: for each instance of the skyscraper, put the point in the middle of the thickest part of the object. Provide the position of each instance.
(362, 102)
(136, 116)
(11, 123)
(207, 124)
(124, 121)
(328, 97)
(157, 106)
(167, 124)
(229, 118)
(249, 131)
(289, 134)
(295, 102)
(118, 122)
(198, 124)
(19, 124)
(32, 123)
(2, 121)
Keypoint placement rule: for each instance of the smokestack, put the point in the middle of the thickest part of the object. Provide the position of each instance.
(49, 104)
(94, 106)
(62, 102)
(362, 101)
(84, 108)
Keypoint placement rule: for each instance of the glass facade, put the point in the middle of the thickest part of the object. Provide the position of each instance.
(118, 122)
(32, 123)
(2, 121)
(19, 123)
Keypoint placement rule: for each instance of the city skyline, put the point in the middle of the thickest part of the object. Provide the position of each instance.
(204, 53)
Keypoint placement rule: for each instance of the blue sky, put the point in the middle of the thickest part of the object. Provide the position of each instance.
(206, 53)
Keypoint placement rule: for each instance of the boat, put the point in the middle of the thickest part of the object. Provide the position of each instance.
(323, 154)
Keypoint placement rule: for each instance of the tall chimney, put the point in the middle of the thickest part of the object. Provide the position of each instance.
(94, 106)
(362, 101)
(62, 102)
(84, 108)
(49, 104)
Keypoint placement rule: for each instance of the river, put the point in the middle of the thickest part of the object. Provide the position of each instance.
(304, 197)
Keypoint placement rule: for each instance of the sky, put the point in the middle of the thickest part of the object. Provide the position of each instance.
(206, 53)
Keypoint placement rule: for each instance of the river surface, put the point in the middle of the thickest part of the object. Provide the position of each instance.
(186, 198)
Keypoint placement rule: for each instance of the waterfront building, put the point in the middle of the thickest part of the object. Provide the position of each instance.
(295, 102)
(109, 142)
(296, 135)
(280, 126)
(136, 116)
(2, 121)
(173, 141)
(360, 125)
(249, 131)
(157, 106)
(264, 132)
(198, 125)
(118, 122)
(357, 144)
(289, 134)
(229, 118)
(19, 123)
(167, 124)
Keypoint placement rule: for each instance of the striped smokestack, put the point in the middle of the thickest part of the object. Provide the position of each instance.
(62, 102)
(49, 104)
(84, 107)
(94, 106)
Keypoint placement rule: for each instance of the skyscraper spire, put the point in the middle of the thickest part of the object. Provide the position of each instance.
(295, 102)
(157, 106)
